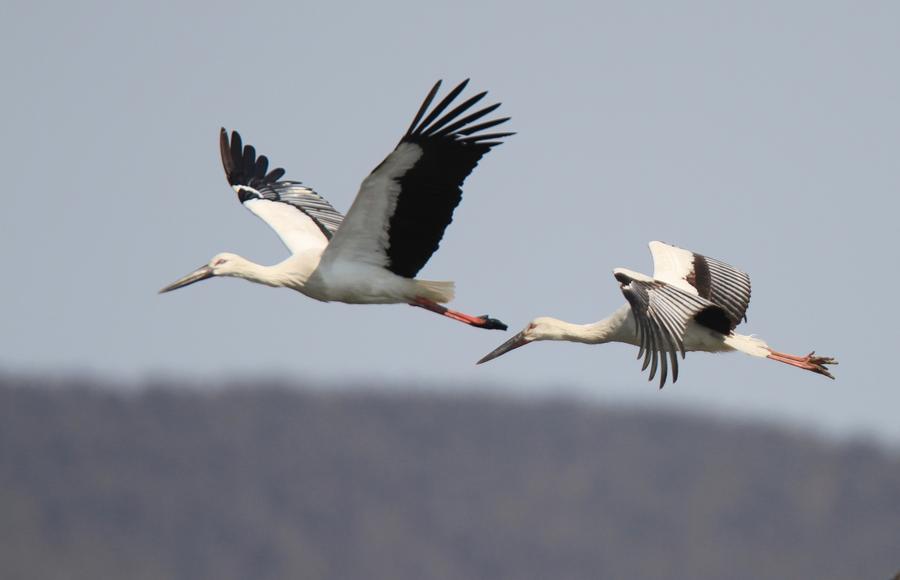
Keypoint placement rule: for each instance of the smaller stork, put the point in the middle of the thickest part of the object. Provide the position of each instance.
(396, 222)
(692, 303)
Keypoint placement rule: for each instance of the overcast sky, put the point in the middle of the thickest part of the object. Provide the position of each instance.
(765, 134)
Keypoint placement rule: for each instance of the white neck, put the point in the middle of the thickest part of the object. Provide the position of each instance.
(293, 272)
(617, 327)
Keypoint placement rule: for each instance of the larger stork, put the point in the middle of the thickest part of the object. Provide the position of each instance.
(371, 255)
(692, 303)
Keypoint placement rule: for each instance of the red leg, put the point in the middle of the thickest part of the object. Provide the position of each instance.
(478, 321)
(793, 356)
(809, 362)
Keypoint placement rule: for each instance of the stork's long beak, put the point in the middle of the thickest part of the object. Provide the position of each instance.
(511, 344)
(201, 273)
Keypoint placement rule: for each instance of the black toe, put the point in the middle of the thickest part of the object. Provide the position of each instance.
(492, 323)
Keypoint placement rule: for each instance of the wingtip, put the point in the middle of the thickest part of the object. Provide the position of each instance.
(434, 89)
(225, 137)
(225, 153)
(663, 382)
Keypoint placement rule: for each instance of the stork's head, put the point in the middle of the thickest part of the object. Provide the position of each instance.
(223, 264)
(543, 328)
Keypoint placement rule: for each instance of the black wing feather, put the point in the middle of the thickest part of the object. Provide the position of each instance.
(455, 112)
(262, 165)
(445, 102)
(483, 126)
(453, 127)
(432, 188)
(247, 174)
(424, 107)
(274, 175)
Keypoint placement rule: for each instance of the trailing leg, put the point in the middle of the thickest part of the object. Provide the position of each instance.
(810, 362)
(485, 321)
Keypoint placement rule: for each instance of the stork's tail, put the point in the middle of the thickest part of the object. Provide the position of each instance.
(439, 292)
(748, 344)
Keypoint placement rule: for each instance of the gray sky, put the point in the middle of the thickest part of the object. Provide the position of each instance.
(765, 134)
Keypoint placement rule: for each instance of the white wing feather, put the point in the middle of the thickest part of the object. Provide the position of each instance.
(363, 235)
(297, 230)
(672, 265)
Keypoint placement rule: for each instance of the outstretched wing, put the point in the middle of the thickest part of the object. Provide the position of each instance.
(405, 204)
(300, 216)
(662, 312)
(721, 284)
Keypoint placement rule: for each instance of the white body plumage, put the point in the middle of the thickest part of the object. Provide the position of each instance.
(395, 224)
(691, 303)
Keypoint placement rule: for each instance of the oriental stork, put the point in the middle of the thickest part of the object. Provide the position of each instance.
(692, 303)
(371, 255)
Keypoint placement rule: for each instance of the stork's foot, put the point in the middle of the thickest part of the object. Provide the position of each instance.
(492, 323)
(485, 321)
(810, 362)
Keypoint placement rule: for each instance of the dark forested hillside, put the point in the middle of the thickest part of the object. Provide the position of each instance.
(261, 482)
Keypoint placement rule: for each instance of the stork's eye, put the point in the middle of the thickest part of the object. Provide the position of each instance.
(219, 262)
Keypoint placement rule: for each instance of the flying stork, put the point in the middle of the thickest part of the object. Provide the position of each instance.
(692, 303)
(395, 224)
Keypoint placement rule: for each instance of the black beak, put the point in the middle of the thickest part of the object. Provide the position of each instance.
(511, 344)
(201, 273)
